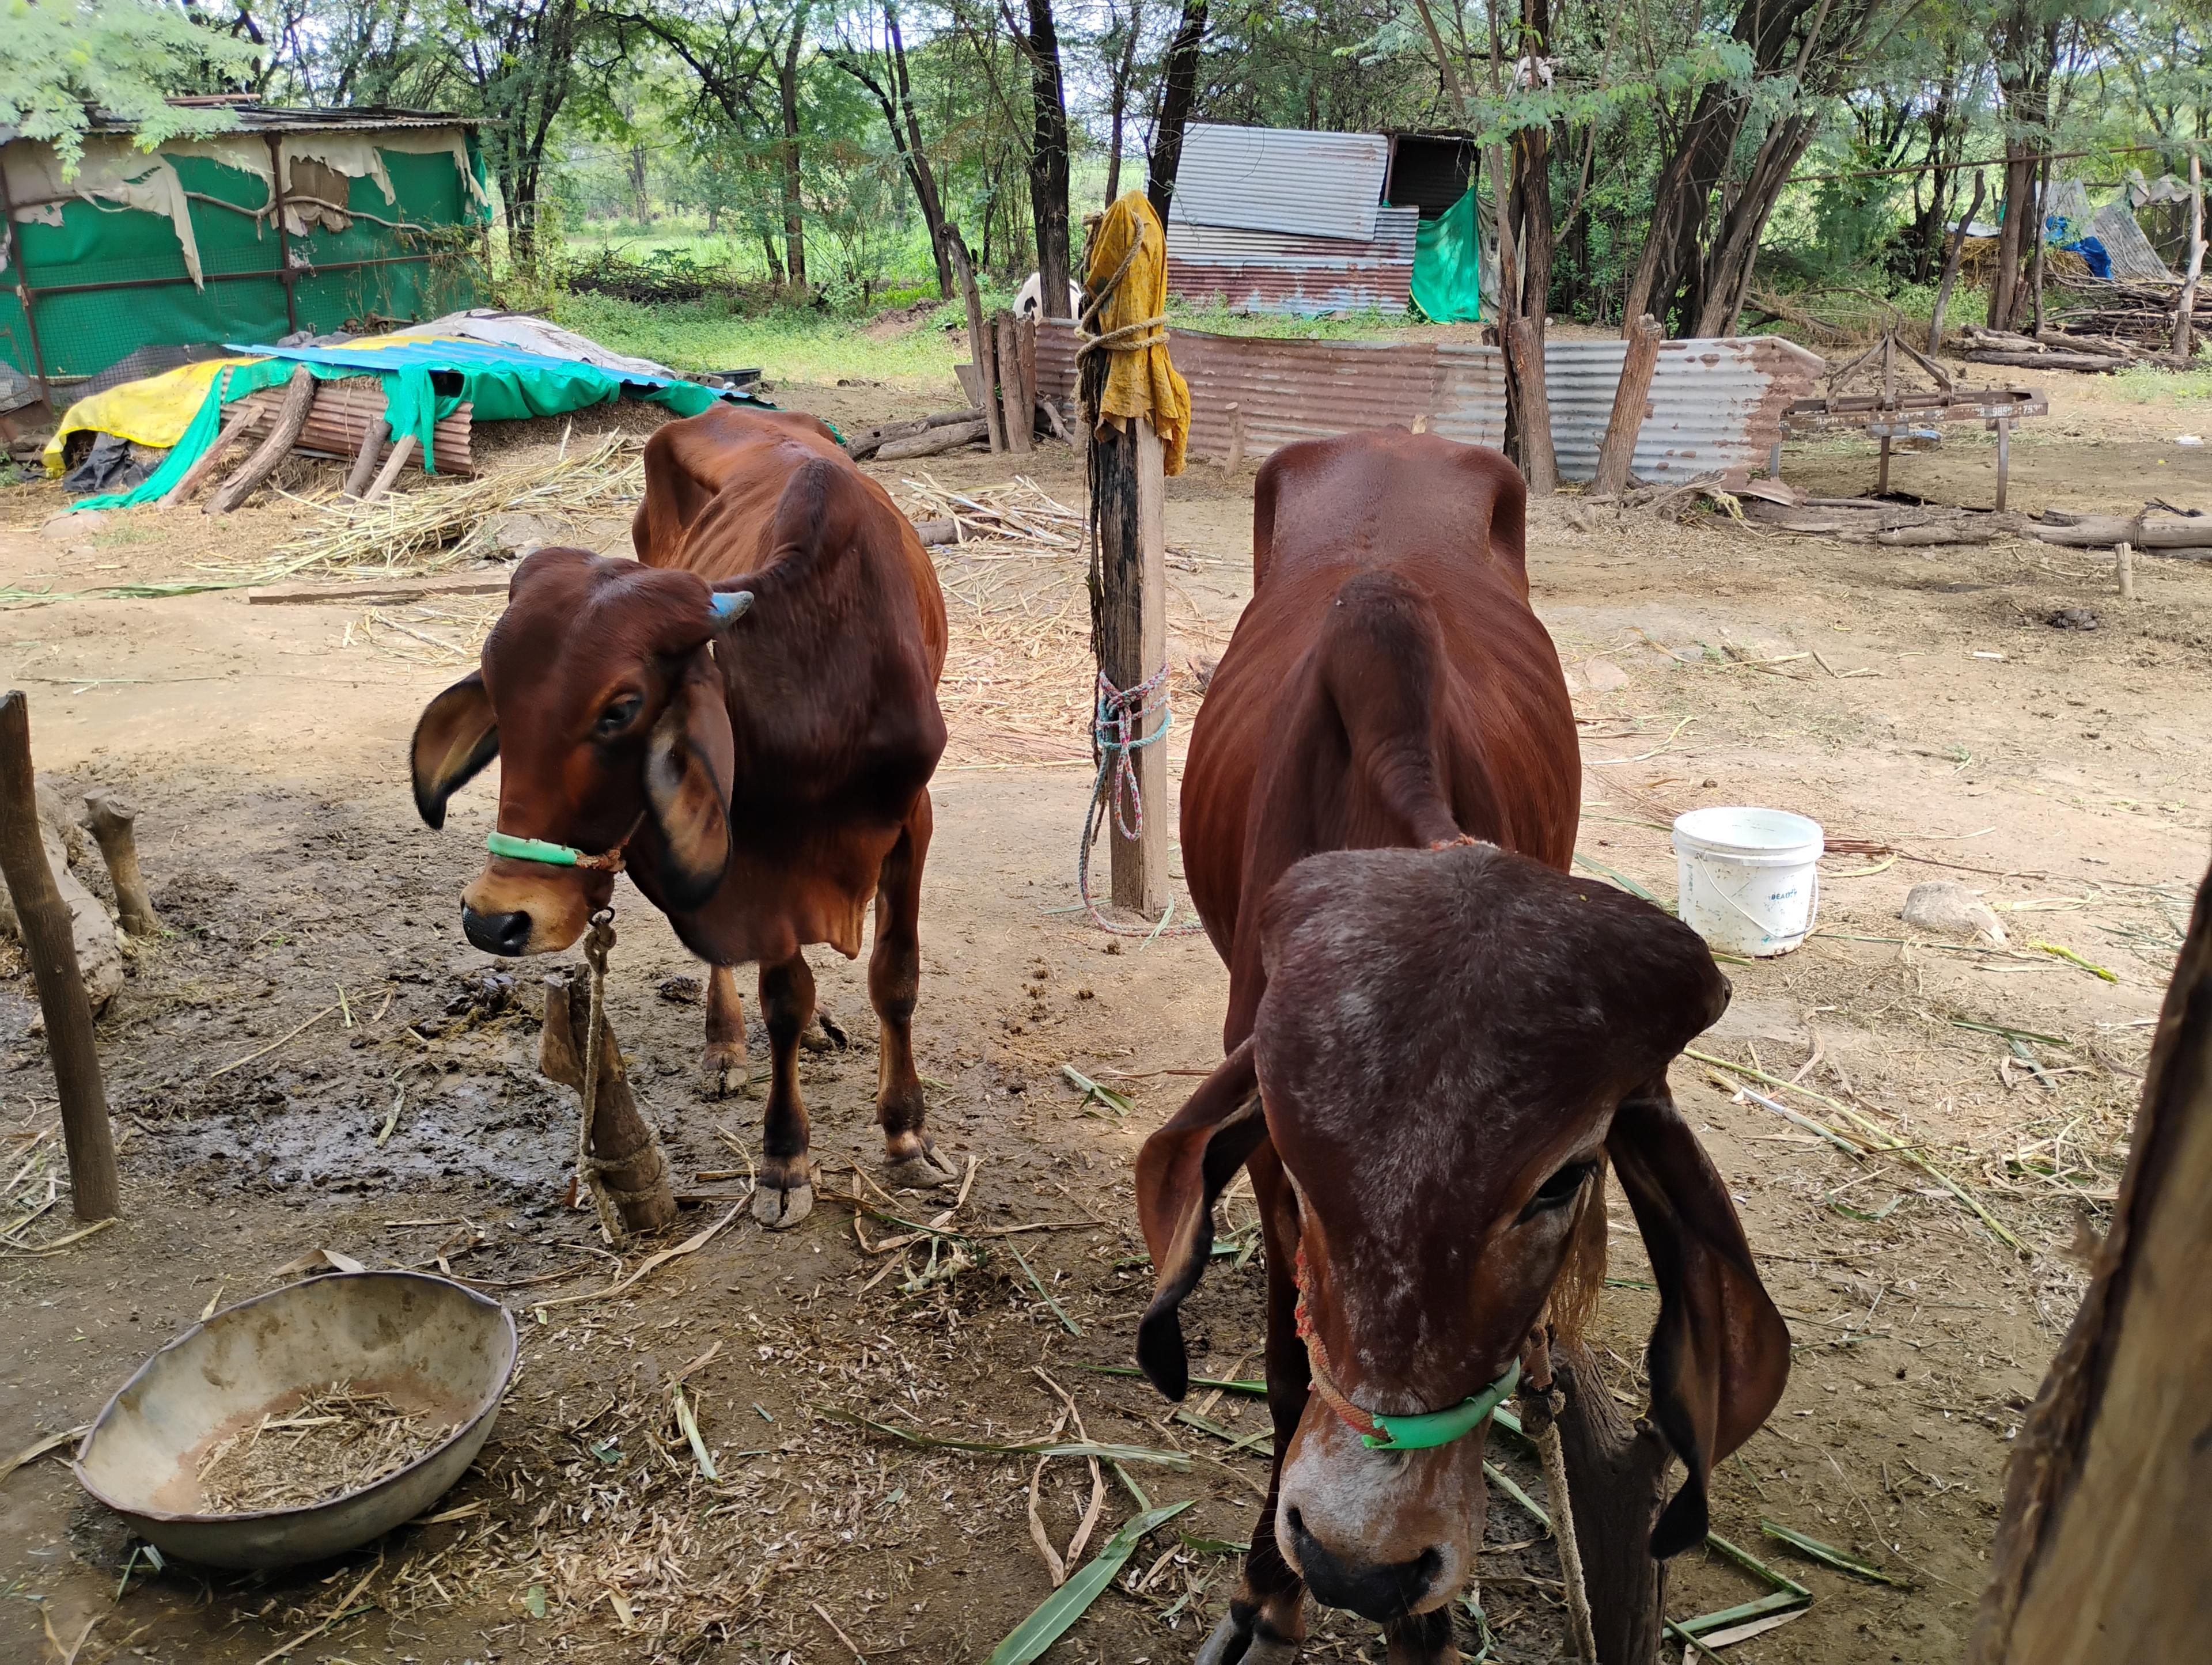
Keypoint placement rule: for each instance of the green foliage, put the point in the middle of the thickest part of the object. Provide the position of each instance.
(125, 58)
(788, 341)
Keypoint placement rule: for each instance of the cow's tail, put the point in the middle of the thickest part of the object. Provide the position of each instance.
(1382, 661)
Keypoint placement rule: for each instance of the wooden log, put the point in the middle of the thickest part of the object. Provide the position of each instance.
(395, 589)
(364, 464)
(243, 416)
(1525, 350)
(1017, 409)
(2099, 1552)
(1131, 618)
(2049, 360)
(934, 441)
(635, 1170)
(864, 445)
(2124, 569)
(2093, 531)
(291, 417)
(389, 472)
(110, 821)
(1631, 403)
(933, 533)
(1235, 461)
(1049, 410)
(50, 945)
(1026, 329)
(339, 420)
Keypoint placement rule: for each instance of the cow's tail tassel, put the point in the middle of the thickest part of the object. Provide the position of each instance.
(1540, 1407)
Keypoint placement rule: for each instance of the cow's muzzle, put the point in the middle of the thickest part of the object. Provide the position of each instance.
(1379, 1591)
(497, 934)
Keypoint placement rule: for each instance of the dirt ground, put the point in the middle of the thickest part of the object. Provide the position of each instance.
(1916, 703)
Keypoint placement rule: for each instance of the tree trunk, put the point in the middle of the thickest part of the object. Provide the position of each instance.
(2099, 1552)
(1178, 94)
(1727, 277)
(1951, 265)
(916, 156)
(1048, 158)
(795, 227)
(2185, 311)
(1123, 73)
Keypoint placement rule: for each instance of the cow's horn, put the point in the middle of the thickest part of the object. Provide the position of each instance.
(727, 607)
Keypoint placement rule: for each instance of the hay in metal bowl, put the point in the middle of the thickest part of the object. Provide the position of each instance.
(409, 1368)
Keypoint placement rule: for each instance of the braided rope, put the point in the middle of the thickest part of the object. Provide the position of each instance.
(1317, 1365)
(1115, 740)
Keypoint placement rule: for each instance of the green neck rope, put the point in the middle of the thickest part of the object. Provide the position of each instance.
(553, 855)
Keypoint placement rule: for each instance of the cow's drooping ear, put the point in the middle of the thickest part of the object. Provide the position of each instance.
(457, 736)
(1181, 1170)
(1720, 1352)
(690, 763)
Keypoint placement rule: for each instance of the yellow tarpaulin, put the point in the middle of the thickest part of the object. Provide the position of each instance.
(1140, 378)
(154, 412)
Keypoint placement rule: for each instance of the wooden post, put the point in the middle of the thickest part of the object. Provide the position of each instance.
(388, 475)
(2124, 568)
(2185, 311)
(1631, 402)
(1526, 364)
(364, 465)
(284, 431)
(636, 1175)
(1881, 480)
(1133, 646)
(109, 819)
(1019, 417)
(979, 338)
(2004, 458)
(1026, 329)
(49, 946)
(1235, 438)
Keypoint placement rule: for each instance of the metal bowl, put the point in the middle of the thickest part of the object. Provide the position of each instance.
(429, 1344)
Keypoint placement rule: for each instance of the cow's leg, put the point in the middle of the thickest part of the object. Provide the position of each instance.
(893, 979)
(724, 1072)
(1267, 1623)
(1423, 1639)
(784, 1194)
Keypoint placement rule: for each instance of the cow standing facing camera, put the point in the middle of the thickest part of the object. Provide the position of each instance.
(744, 719)
(1438, 1043)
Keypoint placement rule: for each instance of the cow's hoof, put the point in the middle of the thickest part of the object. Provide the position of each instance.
(779, 1208)
(726, 1075)
(921, 1172)
(1241, 1643)
(825, 1033)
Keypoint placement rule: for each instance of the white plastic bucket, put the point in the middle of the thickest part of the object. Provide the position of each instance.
(1748, 878)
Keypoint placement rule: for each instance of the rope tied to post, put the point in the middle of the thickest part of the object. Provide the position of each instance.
(590, 1171)
(1115, 795)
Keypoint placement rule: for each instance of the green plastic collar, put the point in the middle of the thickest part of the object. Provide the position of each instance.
(533, 849)
(1434, 1428)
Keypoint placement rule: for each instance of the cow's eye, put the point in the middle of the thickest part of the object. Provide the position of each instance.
(1557, 1192)
(618, 713)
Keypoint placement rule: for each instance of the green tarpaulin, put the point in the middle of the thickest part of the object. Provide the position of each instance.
(1447, 265)
(425, 378)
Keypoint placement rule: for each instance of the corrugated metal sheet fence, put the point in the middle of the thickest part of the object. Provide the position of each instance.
(1714, 404)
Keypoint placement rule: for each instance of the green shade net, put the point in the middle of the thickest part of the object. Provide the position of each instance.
(1447, 265)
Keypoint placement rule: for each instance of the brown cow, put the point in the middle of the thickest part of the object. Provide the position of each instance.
(761, 780)
(1435, 1046)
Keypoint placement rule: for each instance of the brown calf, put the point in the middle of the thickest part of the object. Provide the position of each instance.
(1436, 1049)
(760, 777)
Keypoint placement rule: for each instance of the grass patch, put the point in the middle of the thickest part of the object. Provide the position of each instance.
(2142, 383)
(787, 342)
(1285, 326)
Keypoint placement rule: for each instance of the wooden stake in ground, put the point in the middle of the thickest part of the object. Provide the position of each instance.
(1631, 401)
(1128, 493)
(388, 475)
(291, 417)
(2185, 311)
(49, 946)
(2100, 1553)
(620, 1143)
(110, 821)
(2124, 569)
(1014, 400)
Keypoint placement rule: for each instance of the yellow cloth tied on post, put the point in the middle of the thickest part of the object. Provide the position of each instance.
(1132, 326)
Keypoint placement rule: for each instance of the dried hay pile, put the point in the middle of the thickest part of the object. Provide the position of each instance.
(332, 1443)
(437, 528)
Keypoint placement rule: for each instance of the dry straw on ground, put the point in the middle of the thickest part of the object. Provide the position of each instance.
(331, 1443)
